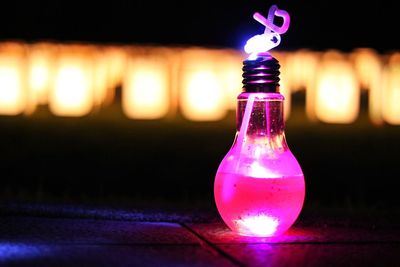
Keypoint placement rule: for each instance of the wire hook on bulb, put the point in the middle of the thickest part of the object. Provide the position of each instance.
(271, 38)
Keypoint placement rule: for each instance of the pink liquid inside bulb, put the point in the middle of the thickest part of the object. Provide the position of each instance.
(259, 206)
(259, 187)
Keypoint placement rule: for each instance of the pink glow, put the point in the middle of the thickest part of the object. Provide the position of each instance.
(269, 22)
(255, 206)
(246, 119)
(260, 225)
(271, 37)
(259, 186)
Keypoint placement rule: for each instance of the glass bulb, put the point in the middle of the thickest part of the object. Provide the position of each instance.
(259, 186)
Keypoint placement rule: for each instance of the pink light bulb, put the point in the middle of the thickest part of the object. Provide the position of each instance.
(259, 186)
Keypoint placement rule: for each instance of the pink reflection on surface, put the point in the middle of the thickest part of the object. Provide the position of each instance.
(219, 233)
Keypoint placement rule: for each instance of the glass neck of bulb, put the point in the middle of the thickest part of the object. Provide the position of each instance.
(260, 107)
(266, 124)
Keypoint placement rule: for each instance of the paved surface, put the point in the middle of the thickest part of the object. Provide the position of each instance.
(27, 240)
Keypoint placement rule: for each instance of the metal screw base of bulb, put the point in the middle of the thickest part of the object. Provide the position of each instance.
(261, 74)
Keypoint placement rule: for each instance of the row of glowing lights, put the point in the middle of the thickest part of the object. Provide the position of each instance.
(202, 84)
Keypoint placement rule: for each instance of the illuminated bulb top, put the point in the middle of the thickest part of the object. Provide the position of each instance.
(260, 69)
(262, 43)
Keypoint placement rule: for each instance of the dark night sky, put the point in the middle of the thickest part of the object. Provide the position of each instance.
(315, 24)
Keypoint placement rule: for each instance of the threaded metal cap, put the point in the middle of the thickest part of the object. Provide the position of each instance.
(261, 74)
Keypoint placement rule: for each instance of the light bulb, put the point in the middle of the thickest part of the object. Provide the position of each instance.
(259, 186)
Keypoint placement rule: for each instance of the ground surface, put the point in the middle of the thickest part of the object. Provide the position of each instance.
(104, 190)
(71, 235)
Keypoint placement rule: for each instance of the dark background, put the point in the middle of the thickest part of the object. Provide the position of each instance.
(106, 158)
(315, 24)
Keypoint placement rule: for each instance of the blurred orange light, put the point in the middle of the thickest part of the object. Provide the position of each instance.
(12, 79)
(41, 58)
(100, 79)
(72, 94)
(391, 91)
(202, 97)
(300, 68)
(336, 91)
(201, 83)
(368, 66)
(285, 86)
(116, 59)
(229, 71)
(146, 89)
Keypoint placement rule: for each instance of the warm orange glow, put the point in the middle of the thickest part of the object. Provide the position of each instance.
(72, 94)
(11, 92)
(39, 77)
(100, 79)
(391, 91)
(298, 73)
(336, 91)
(116, 59)
(300, 68)
(12, 87)
(200, 83)
(202, 97)
(285, 88)
(368, 66)
(41, 59)
(229, 71)
(285, 91)
(146, 88)
(173, 56)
